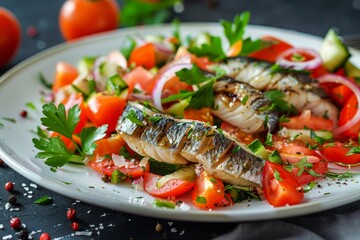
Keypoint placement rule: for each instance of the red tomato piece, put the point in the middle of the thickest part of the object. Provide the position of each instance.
(341, 94)
(280, 187)
(272, 52)
(337, 151)
(295, 147)
(202, 114)
(10, 33)
(105, 109)
(65, 74)
(144, 56)
(209, 192)
(235, 132)
(132, 171)
(108, 146)
(141, 76)
(305, 119)
(75, 16)
(172, 188)
(347, 113)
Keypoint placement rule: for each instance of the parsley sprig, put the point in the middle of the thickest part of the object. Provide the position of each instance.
(64, 123)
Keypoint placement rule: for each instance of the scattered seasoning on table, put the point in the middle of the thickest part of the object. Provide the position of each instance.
(12, 199)
(23, 113)
(24, 234)
(9, 186)
(75, 226)
(31, 31)
(15, 223)
(45, 236)
(71, 213)
(1, 162)
(159, 227)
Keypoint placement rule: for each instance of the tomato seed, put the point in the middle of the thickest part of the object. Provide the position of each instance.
(9, 186)
(71, 213)
(45, 236)
(15, 223)
(75, 226)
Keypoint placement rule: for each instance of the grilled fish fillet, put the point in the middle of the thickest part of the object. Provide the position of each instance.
(172, 140)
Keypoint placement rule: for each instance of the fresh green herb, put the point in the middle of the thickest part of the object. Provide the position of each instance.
(1, 124)
(346, 174)
(239, 194)
(213, 180)
(164, 204)
(127, 155)
(155, 118)
(249, 46)
(117, 176)
(313, 173)
(127, 46)
(235, 30)
(245, 99)
(268, 141)
(275, 157)
(308, 187)
(176, 31)
(200, 199)
(283, 118)
(277, 98)
(43, 200)
(277, 176)
(44, 81)
(213, 49)
(303, 164)
(134, 118)
(31, 105)
(67, 183)
(54, 149)
(192, 76)
(296, 57)
(12, 120)
(317, 138)
(236, 149)
(353, 150)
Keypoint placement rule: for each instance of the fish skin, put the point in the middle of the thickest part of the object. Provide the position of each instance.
(192, 141)
(300, 90)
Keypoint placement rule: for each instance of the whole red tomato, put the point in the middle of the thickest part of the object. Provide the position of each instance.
(10, 36)
(79, 18)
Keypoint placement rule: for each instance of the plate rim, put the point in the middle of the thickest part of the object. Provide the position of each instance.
(215, 216)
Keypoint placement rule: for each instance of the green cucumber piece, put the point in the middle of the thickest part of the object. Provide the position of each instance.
(333, 52)
(187, 173)
(162, 168)
(178, 109)
(304, 135)
(258, 149)
(351, 70)
(85, 65)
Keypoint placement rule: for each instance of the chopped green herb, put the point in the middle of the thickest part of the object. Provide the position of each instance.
(43, 200)
(235, 30)
(277, 98)
(213, 180)
(244, 99)
(155, 118)
(346, 174)
(276, 68)
(239, 194)
(200, 199)
(353, 150)
(31, 105)
(277, 176)
(213, 49)
(283, 118)
(308, 187)
(67, 183)
(275, 157)
(236, 149)
(249, 46)
(12, 120)
(44, 81)
(134, 118)
(269, 141)
(117, 176)
(164, 204)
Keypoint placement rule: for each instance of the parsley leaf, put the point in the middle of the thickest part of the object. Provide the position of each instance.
(191, 76)
(88, 137)
(204, 97)
(353, 150)
(134, 118)
(276, 97)
(43, 200)
(235, 30)
(250, 46)
(213, 49)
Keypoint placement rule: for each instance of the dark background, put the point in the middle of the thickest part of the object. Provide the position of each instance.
(309, 16)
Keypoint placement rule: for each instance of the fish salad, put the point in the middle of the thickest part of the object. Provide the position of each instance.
(260, 119)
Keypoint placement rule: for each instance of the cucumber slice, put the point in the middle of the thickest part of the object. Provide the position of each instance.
(187, 173)
(178, 108)
(304, 135)
(351, 70)
(85, 65)
(258, 149)
(333, 52)
(162, 168)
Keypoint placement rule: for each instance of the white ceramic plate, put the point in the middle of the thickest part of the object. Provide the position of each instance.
(20, 85)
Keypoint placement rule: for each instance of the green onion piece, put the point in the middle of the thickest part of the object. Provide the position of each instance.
(164, 204)
(43, 200)
(275, 157)
(200, 199)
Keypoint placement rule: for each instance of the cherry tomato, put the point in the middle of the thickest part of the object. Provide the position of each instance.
(147, 50)
(208, 192)
(272, 52)
(65, 74)
(172, 188)
(347, 113)
(10, 36)
(280, 187)
(132, 170)
(305, 119)
(337, 151)
(79, 18)
(295, 147)
(105, 109)
(140, 76)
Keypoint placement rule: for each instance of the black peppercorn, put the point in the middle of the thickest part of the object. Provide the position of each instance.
(12, 199)
(24, 234)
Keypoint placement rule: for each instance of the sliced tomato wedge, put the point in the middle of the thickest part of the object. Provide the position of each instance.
(65, 74)
(306, 120)
(105, 109)
(337, 152)
(139, 76)
(280, 187)
(144, 56)
(272, 52)
(320, 168)
(294, 147)
(341, 94)
(209, 192)
(108, 146)
(131, 171)
(172, 188)
(347, 113)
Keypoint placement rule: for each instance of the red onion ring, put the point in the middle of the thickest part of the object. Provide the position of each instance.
(332, 78)
(308, 65)
(117, 58)
(164, 78)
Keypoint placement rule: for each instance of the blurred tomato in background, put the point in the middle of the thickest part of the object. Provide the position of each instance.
(10, 36)
(79, 18)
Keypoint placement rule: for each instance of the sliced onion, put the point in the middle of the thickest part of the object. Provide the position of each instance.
(164, 78)
(140, 97)
(305, 65)
(119, 161)
(332, 78)
(117, 58)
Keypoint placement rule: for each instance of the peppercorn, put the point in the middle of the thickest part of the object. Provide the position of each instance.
(12, 199)
(45, 236)
(1, 162)
(105, 178)
(9, 186)
(75, 226)
(15, 223)
(159, 227)
(24, 234)
(23, 114)
(71, 213)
